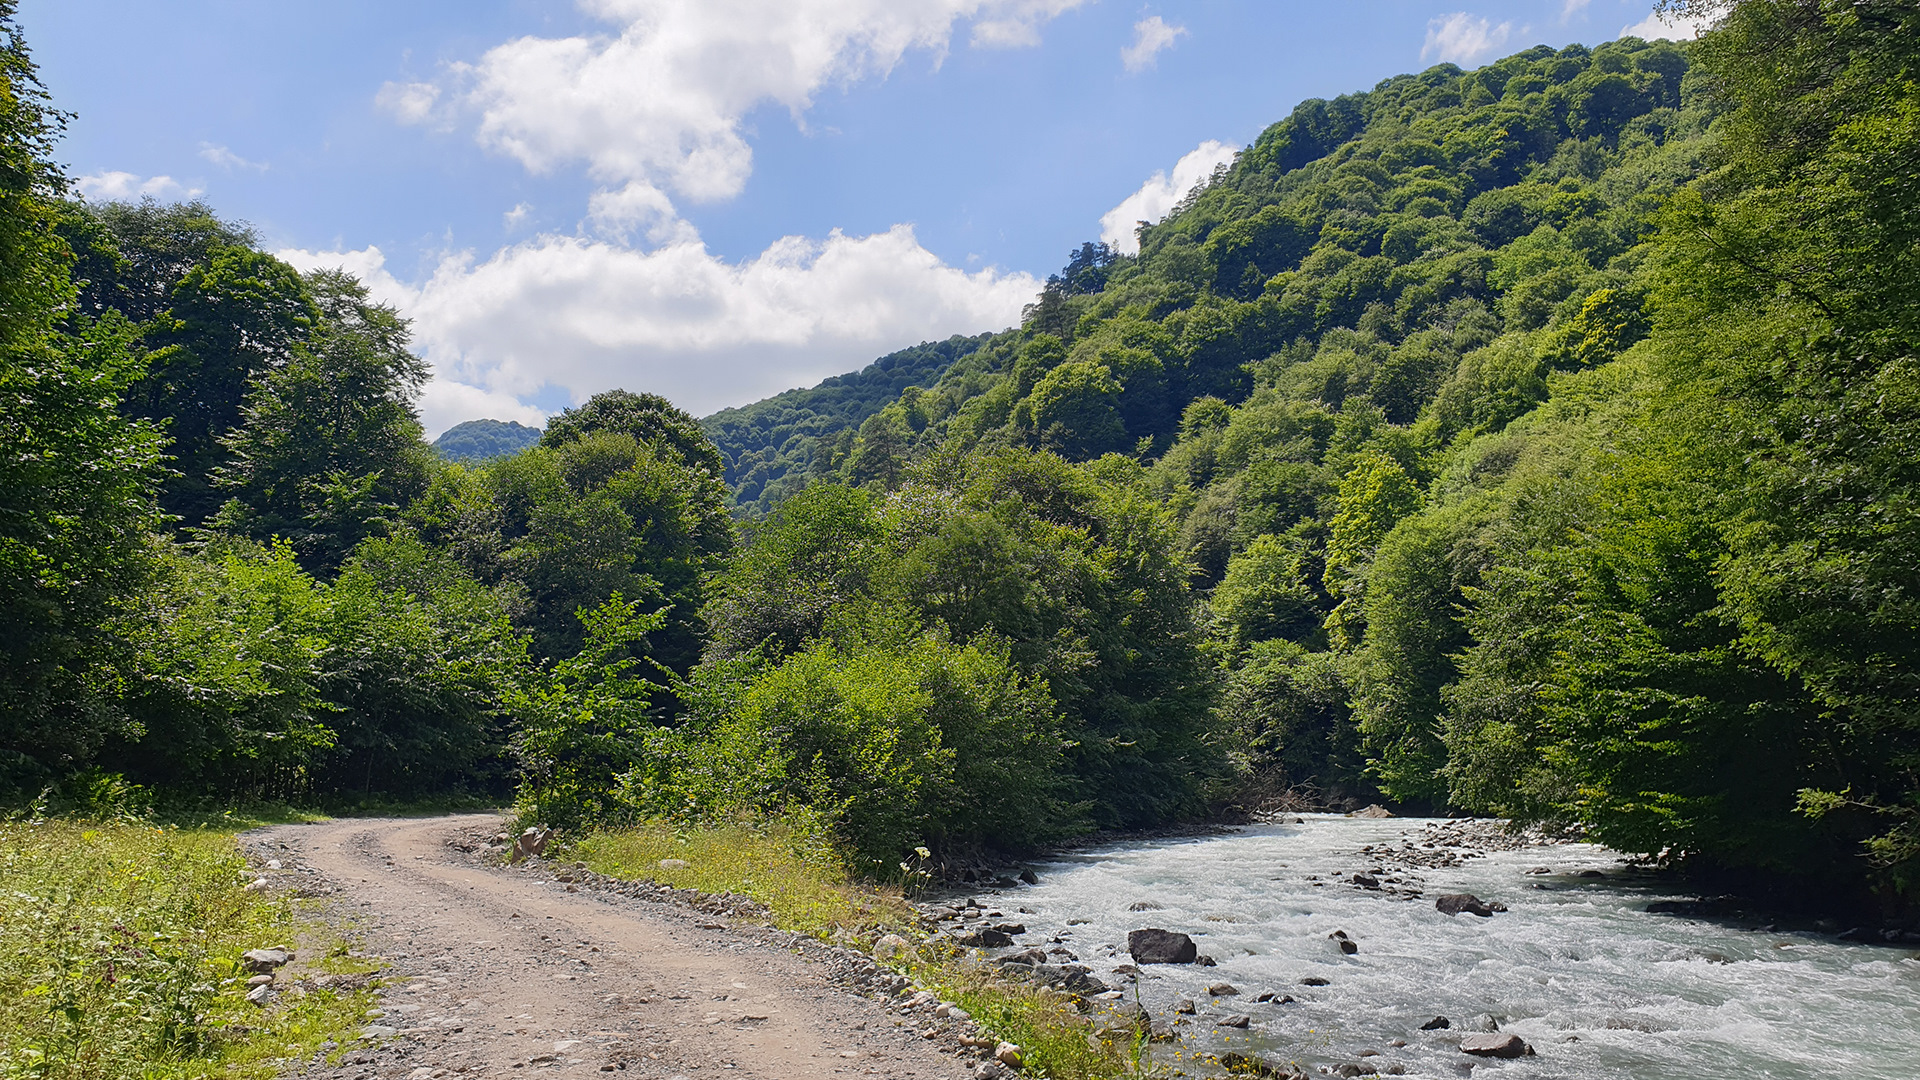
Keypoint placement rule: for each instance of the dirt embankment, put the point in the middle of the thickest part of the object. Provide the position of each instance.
(502, 972)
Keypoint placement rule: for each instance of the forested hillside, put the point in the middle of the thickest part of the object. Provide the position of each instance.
(1533, 441)
(484, 440)
(773, 447)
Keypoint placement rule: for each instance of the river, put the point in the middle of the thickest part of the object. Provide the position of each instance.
(1577, 966)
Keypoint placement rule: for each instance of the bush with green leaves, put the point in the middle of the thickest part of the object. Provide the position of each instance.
(894, 736)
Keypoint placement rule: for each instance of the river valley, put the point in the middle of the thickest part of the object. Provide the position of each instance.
(1598, 986)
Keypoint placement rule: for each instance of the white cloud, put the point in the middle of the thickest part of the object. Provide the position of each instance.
(1151, 36)
(587, 315)
(1572, 8)
(1657, 26)
(517, 216)
(639, 207)
(227, 159)
(1461, 38)
(1160, 194)
(115, 186)
(410, 103)
(662, 99)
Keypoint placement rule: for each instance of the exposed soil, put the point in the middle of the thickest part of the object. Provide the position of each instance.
(512, 973)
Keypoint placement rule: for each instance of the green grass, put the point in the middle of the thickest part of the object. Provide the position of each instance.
(796, 876)
(119, 958)
(808, 890)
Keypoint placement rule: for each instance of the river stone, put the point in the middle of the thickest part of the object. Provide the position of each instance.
(1222, 989)
(1241, 1064)
(1184, 1006)
(1030, 957)
(1500, 1044)
(1155, 946)
(986, 938)
(1029, 877)
(264, 961)
(1346, 943)
(1143, 905)
(890, 946)
(1455, 903)
(1011, 927)
(1374, 811)
(259, 995)
(1235, 1021)
(1438, 1023)
(1314, 980)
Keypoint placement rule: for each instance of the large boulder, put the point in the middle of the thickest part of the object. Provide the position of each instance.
(987, 938)
(1500, 1044)
(1455, 903)
(1156, 946)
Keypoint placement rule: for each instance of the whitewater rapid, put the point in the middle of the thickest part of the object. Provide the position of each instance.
(1600, 987)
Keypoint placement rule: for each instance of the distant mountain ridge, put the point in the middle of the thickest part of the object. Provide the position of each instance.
(484, 440)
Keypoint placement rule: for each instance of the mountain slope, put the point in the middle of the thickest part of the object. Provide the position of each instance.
(771, 445)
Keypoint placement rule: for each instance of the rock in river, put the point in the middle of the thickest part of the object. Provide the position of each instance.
(1155, 946)
(1455, 903)
(986, 938)
(1500, 1044)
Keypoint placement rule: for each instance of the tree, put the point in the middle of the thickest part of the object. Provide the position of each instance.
(648, 418)
(77, 478)
(328, 448)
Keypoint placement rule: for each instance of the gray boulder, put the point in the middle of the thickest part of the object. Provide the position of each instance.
(1500, 1044)
(1155, 946)
(1457, 903)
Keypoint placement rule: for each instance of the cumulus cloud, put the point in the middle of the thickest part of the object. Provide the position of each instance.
(1572, 8)
(1161, 194)
(585, 315)
(1671, 27)
(113, 186)
(1151, 36)
(663, 97)
(1461, 38)
(229, 160)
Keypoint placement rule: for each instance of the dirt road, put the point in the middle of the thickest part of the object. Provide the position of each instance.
(510, 974)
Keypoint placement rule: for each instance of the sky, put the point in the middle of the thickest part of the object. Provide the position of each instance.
(714, 200)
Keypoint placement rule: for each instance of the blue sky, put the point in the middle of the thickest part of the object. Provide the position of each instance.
(711, 199)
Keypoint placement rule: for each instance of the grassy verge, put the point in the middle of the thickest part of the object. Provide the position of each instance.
(119, 958)
(809, 891)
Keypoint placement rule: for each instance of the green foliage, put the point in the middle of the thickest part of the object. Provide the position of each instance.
(1073, 569)
(583, 721)
(663, 427)
(570, 525)
(328, 447)
(120, 958)
(78, 479)
(773, 447)
(475, 441)
(891, 737)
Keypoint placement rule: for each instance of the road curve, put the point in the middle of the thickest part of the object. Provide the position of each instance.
(504, 972)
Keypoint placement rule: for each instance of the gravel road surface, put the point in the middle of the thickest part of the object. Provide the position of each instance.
(508, 973)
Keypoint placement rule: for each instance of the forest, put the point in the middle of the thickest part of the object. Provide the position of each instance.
(1534, 441)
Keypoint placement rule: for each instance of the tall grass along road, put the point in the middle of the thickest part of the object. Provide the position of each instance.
(509, 971)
